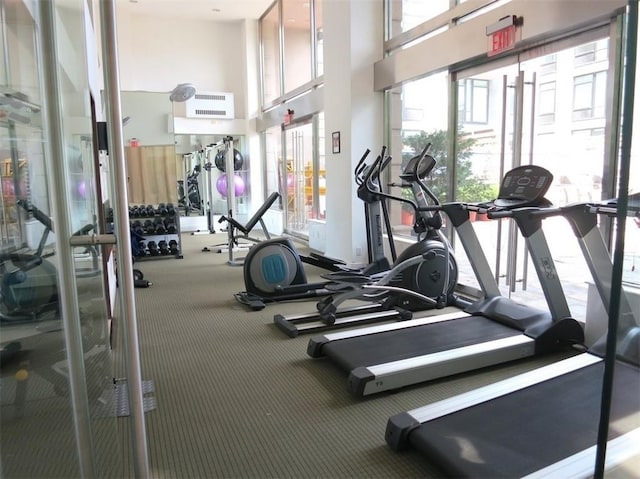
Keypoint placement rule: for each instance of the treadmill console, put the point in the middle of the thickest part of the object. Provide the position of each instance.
(524, 186)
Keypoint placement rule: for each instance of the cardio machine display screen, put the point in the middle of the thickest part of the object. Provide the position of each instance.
(524, 184)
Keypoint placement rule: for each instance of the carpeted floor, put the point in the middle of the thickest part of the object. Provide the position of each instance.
(239, 399)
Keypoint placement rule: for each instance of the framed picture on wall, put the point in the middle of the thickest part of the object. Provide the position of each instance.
(335, 142)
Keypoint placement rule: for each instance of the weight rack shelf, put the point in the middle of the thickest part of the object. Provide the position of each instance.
(144, 220)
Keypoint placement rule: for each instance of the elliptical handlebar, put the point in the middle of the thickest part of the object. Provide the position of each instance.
(37, 213)
(360, 167)
(380, 163)
(376, 165)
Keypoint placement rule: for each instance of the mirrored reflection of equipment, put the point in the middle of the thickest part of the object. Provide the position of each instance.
(28, 287)
(189, 191)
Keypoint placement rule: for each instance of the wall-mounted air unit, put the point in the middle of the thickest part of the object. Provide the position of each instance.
(210, 105)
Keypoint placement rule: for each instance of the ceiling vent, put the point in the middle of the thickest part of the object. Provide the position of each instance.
(210, 105)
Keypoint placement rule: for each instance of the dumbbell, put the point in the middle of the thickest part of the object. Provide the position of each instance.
(171, 226)
(153, 248)
(137, 227)
(171, 209)
(159, 225)
(149, 210)
(149, 227)
(142, 247)
(173, 247)
(162, 209)
(163, 247)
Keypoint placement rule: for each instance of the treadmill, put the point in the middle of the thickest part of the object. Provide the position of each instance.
(543, 423)
(491, 331)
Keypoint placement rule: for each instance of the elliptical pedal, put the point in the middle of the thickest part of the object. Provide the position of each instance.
(255, 303)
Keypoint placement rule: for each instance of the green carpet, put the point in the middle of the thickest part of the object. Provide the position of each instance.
(239, 399)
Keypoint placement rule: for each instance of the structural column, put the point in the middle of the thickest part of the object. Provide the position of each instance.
(353, 42)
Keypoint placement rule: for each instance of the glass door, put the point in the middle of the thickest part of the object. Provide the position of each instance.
(300, 178)
(547, 110)
(56, 383)
(485, 150)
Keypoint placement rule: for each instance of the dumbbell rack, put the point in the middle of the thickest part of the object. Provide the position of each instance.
(152, 236)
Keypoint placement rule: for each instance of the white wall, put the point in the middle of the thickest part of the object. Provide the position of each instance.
(352, 107)
(157, 53)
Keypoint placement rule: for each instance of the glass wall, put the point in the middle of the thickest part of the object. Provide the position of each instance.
(561, 107)
(46, 430)
(556, 105)
(420, 119)
(560, 127)
(559, 104)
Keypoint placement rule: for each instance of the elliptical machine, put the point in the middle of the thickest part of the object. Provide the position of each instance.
(28, 284)
(423, 276)
(189, 195)
(273, 269)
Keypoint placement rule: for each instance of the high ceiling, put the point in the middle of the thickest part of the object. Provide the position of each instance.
(219, 10)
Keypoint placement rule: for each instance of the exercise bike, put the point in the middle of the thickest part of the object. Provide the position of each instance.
(273, 269)
(423, 276)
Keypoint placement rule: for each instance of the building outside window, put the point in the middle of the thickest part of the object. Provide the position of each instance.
(547, 102)
(473, 100)
(589, 95)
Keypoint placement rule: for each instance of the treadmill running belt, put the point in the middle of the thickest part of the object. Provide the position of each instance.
(522, 432)
(407, 343)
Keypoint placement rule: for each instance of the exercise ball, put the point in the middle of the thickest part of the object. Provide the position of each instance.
(220, 162)
(8, 189)
(238, 182)
(82, 190)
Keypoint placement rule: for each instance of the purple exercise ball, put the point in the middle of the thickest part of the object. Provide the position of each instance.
(221, 185)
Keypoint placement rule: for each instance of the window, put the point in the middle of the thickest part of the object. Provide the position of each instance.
(473, 98)
(589, 95)
(270, 39)
(296, 19)
(591, 53)
(417, 119)
(547, 102)
(406, 14)
(288, 66)
(273, 153)
(548, 64)
(319, 39)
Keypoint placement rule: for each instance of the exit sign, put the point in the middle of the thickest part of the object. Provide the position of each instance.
(502, 40)
(501, 35)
